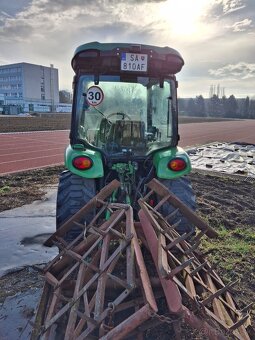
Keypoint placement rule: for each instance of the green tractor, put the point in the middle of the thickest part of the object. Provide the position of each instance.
(124, 126)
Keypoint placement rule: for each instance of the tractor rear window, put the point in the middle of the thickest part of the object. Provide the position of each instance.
(125, 115)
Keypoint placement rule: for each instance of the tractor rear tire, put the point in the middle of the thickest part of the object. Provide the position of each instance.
(181, 188)
(73, 193)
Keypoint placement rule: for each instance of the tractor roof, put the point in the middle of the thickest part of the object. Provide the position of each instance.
(99, 58)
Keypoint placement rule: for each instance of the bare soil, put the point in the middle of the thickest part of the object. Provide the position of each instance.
(225, 202)
(26, 187)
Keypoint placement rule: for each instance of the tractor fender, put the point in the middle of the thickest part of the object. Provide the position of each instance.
(161, 159)
(97, 169)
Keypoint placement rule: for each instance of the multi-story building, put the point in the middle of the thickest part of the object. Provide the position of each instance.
(29, 87)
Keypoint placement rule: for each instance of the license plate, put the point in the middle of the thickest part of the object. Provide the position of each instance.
(134, 62)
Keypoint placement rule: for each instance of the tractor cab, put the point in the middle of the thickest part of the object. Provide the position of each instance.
(125, 99)
(124, 126)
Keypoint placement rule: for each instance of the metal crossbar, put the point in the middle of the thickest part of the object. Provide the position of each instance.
(78, 303)
(98, 285)
(179, 260)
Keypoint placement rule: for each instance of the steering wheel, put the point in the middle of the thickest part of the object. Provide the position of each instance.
(124, 115)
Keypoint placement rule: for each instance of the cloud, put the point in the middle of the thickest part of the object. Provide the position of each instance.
(240, 70)
(5, 15)
(13, 7)
(96, 5)
(48, 31)
(209, 33)
(229, 6)
(44, 17)
(242, 26)
(221, 9)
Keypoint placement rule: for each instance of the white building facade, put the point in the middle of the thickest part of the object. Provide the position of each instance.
(29, 87)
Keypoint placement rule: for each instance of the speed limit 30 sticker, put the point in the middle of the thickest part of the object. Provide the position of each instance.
(95, 95)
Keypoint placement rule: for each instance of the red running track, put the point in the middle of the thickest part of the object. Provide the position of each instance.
(31, 150)
(242, 131)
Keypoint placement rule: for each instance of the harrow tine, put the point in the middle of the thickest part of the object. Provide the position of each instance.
(59, 245)
(172, 214)
(98, 231)
(198, 236)
(100, 212)
(169, 229)
(239, 323)
(91, 266)
(116, 233)
(62, 252)
(118, 281)
(102, 202)
(175, 225)
(247, 308)
(74, 255)
(179, 268)
(163, 201)
(80, 225)
(148, 195)
(219, 292)
(62, 241)
(86, 318)
(161, 190)
(191, 249)
(178, 240)
(196, 270)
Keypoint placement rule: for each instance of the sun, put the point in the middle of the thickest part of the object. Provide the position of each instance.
(183, 17)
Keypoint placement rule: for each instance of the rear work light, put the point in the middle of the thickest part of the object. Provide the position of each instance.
(177, 164)
(82, 163)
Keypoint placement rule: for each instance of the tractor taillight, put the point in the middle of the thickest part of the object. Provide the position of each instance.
(82, 163)
(177, 164)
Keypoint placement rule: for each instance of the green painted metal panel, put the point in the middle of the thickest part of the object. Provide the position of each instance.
(111, 46)
(162, 158)
(96, 171)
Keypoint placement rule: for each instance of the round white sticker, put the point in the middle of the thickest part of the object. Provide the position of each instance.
(95, 95)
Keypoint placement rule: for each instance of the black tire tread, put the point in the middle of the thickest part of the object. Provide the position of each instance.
(73, 193)
(182, 188)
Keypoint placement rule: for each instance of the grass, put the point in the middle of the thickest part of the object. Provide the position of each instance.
(233, 249)
(5, 189)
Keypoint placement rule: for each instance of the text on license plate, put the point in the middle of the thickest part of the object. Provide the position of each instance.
(134, 62)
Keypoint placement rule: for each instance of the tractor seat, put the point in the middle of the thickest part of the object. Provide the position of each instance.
(127, 133)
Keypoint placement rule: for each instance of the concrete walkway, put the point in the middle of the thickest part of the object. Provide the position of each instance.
(23, 231)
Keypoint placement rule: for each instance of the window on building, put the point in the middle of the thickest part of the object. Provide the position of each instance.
(5, 87)
(4, 79)
(43, 96)
(42, 71)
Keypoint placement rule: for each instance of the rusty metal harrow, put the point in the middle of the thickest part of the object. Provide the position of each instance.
(99, 287)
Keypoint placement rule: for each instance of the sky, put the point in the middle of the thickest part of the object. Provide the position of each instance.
(215, 37)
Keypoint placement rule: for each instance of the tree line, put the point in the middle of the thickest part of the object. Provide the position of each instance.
(215, 106)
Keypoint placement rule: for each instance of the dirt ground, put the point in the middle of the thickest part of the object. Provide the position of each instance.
(225, 202)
